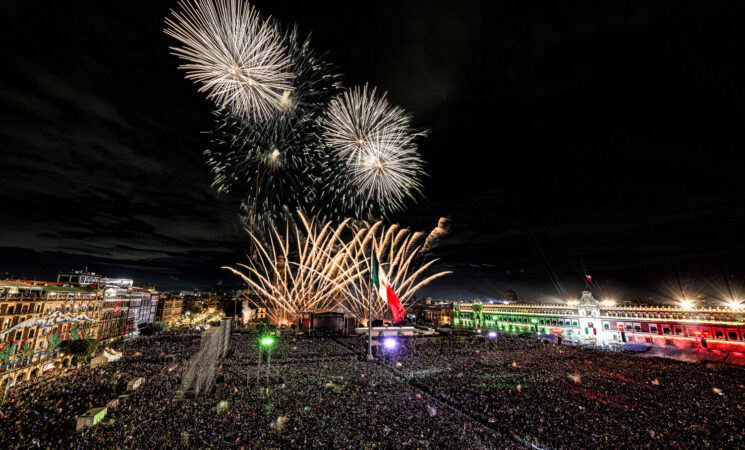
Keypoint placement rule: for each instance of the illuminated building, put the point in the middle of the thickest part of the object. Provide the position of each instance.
(79, 278)
(589, 321)
(35, 317)
(439, 316)
(170, 308)
(125, 309)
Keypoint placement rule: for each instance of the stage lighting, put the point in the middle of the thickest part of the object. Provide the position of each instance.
(390, 343)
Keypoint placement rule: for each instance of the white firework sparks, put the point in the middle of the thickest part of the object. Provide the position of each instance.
(386, 167)
(239, 59)
(376, 142)
(356, 116)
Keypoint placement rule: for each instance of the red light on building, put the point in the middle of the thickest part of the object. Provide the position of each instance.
(556, 330)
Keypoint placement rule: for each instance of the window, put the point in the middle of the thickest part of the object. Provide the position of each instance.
(606, 326)
(732, 335)
(574, 323)
(31, 333)
(628, 327)
(648, 340)
(719, 334)
(679, 331)
(665, 330)
(653, 328)
(637, 327)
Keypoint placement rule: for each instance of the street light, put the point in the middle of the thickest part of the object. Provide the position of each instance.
(265, 344)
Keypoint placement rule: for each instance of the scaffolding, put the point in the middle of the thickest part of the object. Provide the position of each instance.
(225, 332)
(199, 373)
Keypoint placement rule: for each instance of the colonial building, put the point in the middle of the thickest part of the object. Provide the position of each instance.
(125, 309)
(589, 321)
(170, 308)
(35, 319)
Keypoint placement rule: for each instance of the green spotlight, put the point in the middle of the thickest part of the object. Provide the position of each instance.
(266, 341)
(533, 320)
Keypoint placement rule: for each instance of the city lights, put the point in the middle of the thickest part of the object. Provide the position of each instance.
(686, 304)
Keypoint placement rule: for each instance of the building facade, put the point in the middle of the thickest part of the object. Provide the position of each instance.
(125, 309)
(34, 320)
(591, 322)
(169, 309)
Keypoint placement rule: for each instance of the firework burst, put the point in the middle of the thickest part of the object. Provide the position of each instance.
(277, 166)
(239, 59)
(374, 142)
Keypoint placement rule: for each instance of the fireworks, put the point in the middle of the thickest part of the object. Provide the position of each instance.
(375, 143)
(239, 59)
(398, 250)
(299, 270)
(277, 166)
(312, 267)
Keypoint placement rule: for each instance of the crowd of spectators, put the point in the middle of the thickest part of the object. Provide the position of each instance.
(559, 396)
(444, 392)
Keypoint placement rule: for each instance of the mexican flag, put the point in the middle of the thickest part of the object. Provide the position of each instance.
(386, 291)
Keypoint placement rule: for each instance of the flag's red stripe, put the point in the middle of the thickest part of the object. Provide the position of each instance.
(397, 309)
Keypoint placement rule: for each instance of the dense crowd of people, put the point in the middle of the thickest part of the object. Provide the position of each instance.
(560, 396)
(43, 413)
(441, 392)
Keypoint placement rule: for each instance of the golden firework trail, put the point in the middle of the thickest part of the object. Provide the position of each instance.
(321, 267)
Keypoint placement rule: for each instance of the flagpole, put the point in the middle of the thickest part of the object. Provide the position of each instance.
(369, 311)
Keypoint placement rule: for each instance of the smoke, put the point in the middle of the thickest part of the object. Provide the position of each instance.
(246, 311)
(442, 230)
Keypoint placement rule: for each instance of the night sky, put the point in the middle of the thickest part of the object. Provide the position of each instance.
(563, 134)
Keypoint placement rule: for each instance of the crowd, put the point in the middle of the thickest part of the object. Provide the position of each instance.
(43, 414)
(562, 396)
(449, 392)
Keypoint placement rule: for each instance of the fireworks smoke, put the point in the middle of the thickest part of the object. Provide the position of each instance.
(442, 230)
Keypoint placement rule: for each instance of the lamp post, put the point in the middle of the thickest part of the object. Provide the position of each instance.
(369, 328)
(265, 342)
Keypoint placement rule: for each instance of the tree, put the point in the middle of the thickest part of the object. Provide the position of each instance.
(82, 348)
